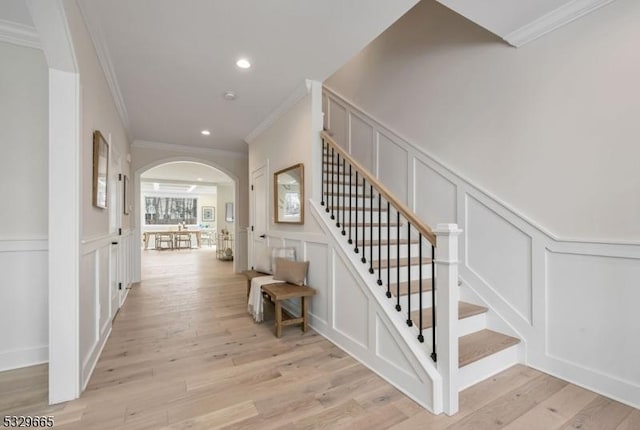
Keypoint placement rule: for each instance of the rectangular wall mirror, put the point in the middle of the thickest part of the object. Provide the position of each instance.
(288, 186)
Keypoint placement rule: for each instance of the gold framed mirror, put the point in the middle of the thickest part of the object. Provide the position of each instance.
(288, 195)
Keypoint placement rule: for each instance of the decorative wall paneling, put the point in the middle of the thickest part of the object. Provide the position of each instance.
(25, 285)
(96, 291)
(571, 302)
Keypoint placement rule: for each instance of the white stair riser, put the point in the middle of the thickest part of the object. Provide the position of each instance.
(415, 299)
(426, 273)
(488, 366)
(365, 233)
(465, 326)
(360, 215)
(353, 189)
(404, 250)
(331, 200)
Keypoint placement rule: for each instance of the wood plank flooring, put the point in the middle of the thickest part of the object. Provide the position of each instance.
(184, 354)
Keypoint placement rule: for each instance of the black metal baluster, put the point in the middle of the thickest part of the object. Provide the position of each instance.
(333, 183)
(420, 336)
(364, 221)
(398, 307)
(434, 356)
(344, 185)
(409, 322)
(388, 249)
(338, 195)
(323, 173)
(379, 237)
(371, 229)
(350, 202)
(356, 247)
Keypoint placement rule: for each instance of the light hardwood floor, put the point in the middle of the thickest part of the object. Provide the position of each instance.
(184, 354)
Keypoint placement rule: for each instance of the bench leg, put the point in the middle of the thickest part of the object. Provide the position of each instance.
(305, 314)
(278, 318)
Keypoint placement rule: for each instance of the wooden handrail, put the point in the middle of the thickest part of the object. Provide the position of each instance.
(397, 204)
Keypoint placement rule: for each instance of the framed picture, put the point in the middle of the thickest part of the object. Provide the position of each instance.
(208, 213)
(100, 169)
(126, 205)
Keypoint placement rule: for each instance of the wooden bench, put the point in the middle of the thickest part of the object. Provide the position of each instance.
(250, 274)
(284, 291)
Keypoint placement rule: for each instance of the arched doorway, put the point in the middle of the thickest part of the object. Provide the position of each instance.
(165, 185)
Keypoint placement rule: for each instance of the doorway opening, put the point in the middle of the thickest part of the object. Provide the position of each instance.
(187, 209)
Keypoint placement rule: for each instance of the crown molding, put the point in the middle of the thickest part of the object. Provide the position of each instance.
(189, 149)
(104, 57)
(19, 34)
(300, 92)
(553, 20)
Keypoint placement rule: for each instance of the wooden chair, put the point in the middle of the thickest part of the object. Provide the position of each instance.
(183, 238)
(166, 238)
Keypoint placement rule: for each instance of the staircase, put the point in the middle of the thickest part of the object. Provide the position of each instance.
(399, 251)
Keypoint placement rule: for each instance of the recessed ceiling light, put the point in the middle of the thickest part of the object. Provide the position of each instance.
(205, 132)
(229, 95)
(243, 63)
(200, 179)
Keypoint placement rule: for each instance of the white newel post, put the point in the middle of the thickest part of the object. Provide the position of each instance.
(447, 312)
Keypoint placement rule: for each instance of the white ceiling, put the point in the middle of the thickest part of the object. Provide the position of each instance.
(173, 60)
(168, 62)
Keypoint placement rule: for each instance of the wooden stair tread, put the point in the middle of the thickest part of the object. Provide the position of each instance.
(404, 288)
(402, 263)
(480, 344)
(465, 310)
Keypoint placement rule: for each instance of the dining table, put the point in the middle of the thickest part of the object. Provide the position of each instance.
(147, 234)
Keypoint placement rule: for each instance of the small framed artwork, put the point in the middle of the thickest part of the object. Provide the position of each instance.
(208, 213)
(100, 169)
(126, 205)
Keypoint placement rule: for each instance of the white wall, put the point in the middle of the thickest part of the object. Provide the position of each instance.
(571, 303)
(24, 218)
(98, 112)
(550, 128)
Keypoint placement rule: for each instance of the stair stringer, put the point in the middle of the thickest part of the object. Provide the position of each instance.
(388, 338)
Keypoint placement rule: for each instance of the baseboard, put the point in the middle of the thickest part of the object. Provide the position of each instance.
(23, 358)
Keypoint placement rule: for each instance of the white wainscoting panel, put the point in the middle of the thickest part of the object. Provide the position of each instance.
(350, 305)
(88, 305)
(571, 302)
(318, 278)
(593, 307)
(24, 295)
(500, 255)
(362, 142)
(388, 349)
(95, 294)
(393, 167)
(339, 123)
(435, 197)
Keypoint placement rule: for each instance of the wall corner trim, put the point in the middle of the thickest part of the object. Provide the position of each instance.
(301, 90)
(19, 34)
(553, 20)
